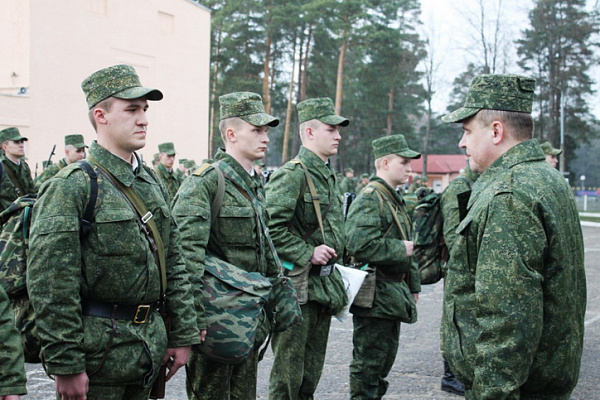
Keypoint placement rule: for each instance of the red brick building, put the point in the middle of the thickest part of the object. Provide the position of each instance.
(441, 169)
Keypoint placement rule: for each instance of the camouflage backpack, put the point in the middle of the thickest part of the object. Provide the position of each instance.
(430, 251)
(14, 247)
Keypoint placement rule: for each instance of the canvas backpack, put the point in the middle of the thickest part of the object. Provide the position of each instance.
(430, 251)
(14, 248)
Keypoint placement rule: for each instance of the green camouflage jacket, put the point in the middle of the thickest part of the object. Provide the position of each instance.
(12, 372)
(515, 295)
(235, 237)
(8, 191)
(49, 173)
(292, 213)
(347, 185)
(113, 264)
(449, 203)
(366, 239)
(169, 178)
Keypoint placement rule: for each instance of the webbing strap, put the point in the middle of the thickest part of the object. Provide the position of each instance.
(379, 187)
(314, 195)
(14, 180)
(145, 220)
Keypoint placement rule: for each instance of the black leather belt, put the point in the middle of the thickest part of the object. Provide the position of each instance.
(138, 314)
(321, 270)
(380, 276)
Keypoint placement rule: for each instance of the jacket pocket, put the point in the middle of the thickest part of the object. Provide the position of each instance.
(237, 225)
(112, 226)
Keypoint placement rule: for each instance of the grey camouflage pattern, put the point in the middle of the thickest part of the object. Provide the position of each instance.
(496, 92)
(515, 294)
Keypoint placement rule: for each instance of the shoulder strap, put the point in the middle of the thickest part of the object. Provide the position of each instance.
(217, 202)
(88, 214)
(145, 221)
(15, 181)
(314, 195)
(379, 187)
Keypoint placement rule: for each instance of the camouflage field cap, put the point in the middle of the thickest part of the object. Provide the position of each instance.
(496, 92)
(11, 134)
(248, 106)
(75, 141)
(167, 148)
(363, 176)
(348, 170)
(394, 144)
(548, 149)
(120, 81)
(322, 109)
(189, 163)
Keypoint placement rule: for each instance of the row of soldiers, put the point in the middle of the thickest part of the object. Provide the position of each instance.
(514, 298)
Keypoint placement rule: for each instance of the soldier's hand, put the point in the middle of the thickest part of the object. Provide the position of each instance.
(175, 358)
(72, 387)
(10, 397)
(409, 248)
(203, 335)
(322, 254)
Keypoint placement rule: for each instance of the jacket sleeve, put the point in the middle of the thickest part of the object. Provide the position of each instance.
(509, 297)
(192, 214)
(12, 372)
(55, 256)
(365, 239)
(282, 193)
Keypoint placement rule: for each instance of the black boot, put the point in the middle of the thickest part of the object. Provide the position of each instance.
(450, 383)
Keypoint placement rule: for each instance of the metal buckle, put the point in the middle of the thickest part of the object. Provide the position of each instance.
(137, 319)
(147, 217)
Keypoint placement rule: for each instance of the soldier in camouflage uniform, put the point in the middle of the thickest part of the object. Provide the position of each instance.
(12, 371)
(364, 181)
(551, 153)
(15, 177)
(347, 184)
(235, 236)
(164, 169)
(300, 351)
(373, 236)
(74, 151)
(451, 219)
(515, 296)
(96, 298)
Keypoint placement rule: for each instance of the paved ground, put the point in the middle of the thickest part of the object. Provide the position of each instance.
(418, 368)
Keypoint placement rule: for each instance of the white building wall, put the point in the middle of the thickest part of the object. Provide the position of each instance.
(64, 41)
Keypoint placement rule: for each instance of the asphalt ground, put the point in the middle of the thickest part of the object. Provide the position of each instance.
(418, 368)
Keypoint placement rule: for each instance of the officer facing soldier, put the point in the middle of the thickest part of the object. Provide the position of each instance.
(515, 295)
(378, 232)
(15, 177)
(310, 250)
(235, 235)
(96, 298)
(74, 151)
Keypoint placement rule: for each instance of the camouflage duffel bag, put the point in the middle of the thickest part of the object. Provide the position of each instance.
(234, 308)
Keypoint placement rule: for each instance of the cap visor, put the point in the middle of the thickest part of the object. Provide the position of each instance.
(460, 114)
(410, 154)
(20, 138)
(334, 120)
(261, 119)
(137, 92)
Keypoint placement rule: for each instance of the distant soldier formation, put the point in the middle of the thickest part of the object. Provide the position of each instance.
(119, 252)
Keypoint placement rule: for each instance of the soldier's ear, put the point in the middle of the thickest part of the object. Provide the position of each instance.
(230, 135)
(99, 115)
(498, 132)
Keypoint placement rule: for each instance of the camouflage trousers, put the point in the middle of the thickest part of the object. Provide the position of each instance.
(375, 346)
(129, 392)
(207, 379)
(299, 356)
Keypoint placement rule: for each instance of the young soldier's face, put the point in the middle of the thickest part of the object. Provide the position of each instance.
(552, 160)
(167, 160)
(126, 124)
(73, 154)
(399, 168)
(14, 148)
(327, 139)
(250, 141)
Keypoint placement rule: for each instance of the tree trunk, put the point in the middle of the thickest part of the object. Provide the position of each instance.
(267, 74)
(288, 114)
(388, 131)
(339, 88)
(213, 98)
